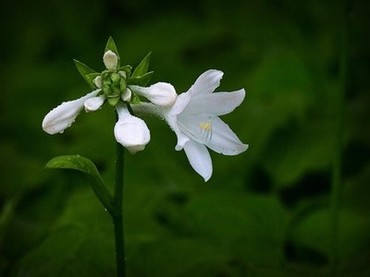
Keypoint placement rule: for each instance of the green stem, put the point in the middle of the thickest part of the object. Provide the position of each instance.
(117, 215)
(337, 161)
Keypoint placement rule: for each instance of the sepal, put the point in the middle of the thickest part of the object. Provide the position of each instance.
(113, 100)
(142, 80)
(142, 68)
(86, 72)
(127, 69)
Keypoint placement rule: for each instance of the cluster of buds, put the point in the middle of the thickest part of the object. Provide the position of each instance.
(121, 88)
(192, 115)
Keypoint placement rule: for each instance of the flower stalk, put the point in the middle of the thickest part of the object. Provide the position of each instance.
(117, 214)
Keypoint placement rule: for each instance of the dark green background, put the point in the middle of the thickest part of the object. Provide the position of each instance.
(265, 212)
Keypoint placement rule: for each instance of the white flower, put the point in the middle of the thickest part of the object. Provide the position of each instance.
(194, 119)
(130, 131)
(162, 94)
(62, 117)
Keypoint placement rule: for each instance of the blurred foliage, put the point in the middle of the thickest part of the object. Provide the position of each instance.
(263, 213)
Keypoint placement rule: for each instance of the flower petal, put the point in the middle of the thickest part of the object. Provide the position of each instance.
(61, 117)
(94, 103)
(181, 103)
(218, 103)
(197, 127)
(130, 131)
(224, 140)
(199, 159)
(169, 114)
(207, 82)
(182, 139)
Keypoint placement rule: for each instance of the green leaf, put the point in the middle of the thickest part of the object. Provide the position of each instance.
(142, 80)
(111, 45)
(142, 68)
(86, 72)
(84, 165)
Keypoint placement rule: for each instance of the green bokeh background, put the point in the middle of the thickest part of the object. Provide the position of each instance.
(265, 212)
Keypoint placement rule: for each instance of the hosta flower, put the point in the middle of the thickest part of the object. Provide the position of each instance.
(194, 119)
(129, 131)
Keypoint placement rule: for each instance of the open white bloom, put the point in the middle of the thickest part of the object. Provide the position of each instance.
(130, 131)
(194, 119)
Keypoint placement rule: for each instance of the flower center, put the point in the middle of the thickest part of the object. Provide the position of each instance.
(205, 126)
(113, 85)
(206, 130)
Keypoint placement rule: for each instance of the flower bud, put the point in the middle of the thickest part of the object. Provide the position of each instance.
(61, 117)
(110, 60)
(126, 95)
(162, 94)
(122, 74)
(130, 131)
(98, 81)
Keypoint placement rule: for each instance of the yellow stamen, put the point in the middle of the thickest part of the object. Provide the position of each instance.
(205, 126)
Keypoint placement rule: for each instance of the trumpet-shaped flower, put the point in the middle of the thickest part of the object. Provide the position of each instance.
(194, 119)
